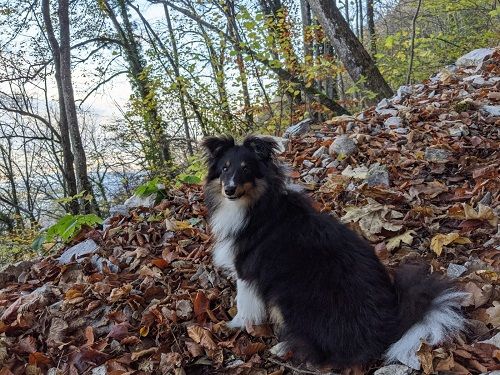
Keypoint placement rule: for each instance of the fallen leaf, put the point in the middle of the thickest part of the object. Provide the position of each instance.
(201, 336)
(424, 355)
(141, 353)
(119, 331)
(372, 218)
(494, 314)
(89, 335)
(441, 240)
(477, 296)
(483, 213)
(119, 293)
(395, 242)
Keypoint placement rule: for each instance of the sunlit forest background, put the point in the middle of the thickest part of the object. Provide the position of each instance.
(100, 97)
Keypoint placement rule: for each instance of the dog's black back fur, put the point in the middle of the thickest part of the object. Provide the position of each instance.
(337, 301)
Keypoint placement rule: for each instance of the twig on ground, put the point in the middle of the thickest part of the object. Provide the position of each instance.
(298, 370)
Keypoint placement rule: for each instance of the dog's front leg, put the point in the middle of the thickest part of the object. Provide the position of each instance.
(251, 308)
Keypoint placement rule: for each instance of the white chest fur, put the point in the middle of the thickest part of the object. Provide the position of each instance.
(227, 220)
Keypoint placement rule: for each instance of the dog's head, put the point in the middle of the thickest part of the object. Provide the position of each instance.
(239, 172)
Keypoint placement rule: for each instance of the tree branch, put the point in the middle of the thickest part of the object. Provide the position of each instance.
(311, 92)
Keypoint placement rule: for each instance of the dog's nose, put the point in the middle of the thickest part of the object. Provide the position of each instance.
(230, 190)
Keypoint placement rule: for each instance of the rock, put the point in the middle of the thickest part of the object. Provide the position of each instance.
(459, 130)
(361, 116)
(307, 163)
(320, 152)
(377, 175)
(475, 57)
(342, 145)
(394, 370)
(74, 252)
(403, 92)
(393, 122)
(316, 171)
(119, 209)
(387, 112)
(326, 161)
(101, 370)
(333, 164)
(384, 103)
(455, 270)
(495, 340)
(101, 264)
(11, 272)
(401, 130)
(350, 127)
(137, 201)
(298, 128)
(310, 179)
(463, 94)
(437, 155)
(491, 110)
(478, 81)
(376, 130)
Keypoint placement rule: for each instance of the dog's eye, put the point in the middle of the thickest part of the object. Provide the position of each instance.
(244, 168)
(224, 169)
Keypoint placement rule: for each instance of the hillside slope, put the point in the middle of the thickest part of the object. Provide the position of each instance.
(417, 176)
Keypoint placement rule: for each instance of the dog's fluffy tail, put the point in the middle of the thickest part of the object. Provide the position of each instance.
(429, 311)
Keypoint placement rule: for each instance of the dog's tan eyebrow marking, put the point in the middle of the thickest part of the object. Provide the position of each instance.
(227, 164)
(243, 164)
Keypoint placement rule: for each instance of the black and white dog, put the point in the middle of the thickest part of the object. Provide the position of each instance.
(322, 284)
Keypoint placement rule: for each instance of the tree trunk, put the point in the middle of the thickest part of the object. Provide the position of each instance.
(233, 31)
(68, 167)
(348, 48)
(305, 11)
(346, 14)
(202, 121)
(179, 80)
(69, 104)
(312, 92)
(279, 28)
(412, 46)
(361, 31)
(158, 150)
(371, 27)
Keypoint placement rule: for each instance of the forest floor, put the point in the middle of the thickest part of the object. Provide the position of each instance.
(418, 176)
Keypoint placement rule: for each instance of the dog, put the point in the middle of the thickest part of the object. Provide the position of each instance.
(331, 298)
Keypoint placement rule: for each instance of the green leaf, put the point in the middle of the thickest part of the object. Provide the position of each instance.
(149, 188)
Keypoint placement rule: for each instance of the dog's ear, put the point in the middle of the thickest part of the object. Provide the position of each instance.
(264, 147)
(216, 146)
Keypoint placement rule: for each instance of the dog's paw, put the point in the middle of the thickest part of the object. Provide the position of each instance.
(237, 322)
(281, 349)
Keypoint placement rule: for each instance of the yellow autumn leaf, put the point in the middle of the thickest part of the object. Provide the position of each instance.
(440, 240)
(483, 213)
(144, 331)
(180, 225)
(395, 242)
